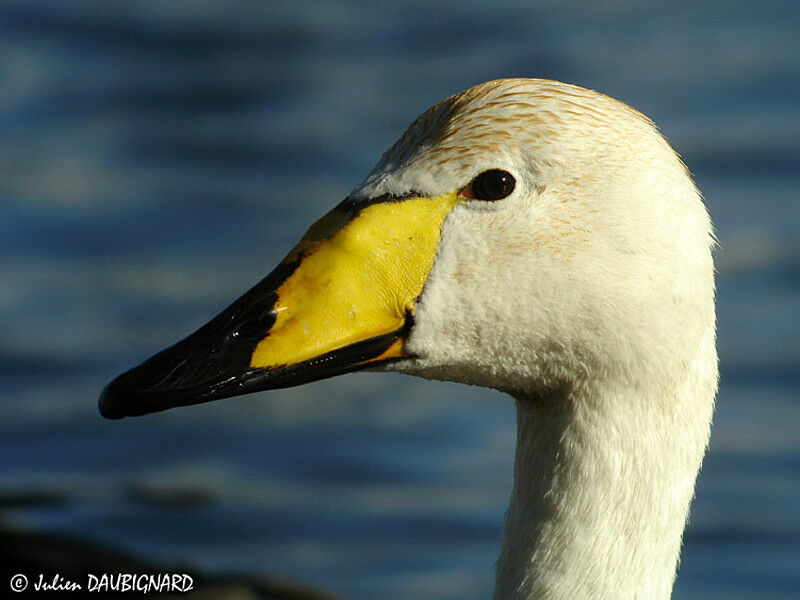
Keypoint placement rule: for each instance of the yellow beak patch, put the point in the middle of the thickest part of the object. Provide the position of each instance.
(357, 278)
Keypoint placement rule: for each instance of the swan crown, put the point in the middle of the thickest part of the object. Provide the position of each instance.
(494, 119)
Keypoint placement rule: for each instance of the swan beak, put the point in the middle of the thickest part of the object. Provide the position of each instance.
(339, 302)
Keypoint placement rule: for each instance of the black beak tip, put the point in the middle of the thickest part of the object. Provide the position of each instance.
(111, 404)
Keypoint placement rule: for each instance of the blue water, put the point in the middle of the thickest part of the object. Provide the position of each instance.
(156, 159)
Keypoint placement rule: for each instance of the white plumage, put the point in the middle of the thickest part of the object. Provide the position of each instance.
(588, 295)
(581, 283)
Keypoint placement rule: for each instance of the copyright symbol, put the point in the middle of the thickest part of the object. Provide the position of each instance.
(19, 582)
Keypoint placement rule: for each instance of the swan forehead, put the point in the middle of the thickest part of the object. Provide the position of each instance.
(499, 124)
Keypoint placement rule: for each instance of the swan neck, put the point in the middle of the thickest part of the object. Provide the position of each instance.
(603, 480)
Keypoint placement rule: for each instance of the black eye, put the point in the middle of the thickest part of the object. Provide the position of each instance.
(494, 184)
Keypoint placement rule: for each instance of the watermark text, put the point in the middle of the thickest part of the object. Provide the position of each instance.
(103, 583)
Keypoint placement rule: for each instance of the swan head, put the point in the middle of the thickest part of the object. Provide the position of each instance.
(597, 265)
(524, 235)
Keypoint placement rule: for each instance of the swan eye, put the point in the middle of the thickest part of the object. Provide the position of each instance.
(494, 184)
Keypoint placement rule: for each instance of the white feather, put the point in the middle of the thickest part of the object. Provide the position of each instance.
(588, 295)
